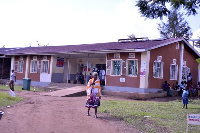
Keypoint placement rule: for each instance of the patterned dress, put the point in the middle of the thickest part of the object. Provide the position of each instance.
(93, 93)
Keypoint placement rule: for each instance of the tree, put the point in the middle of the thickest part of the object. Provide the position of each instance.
(158, 9)
(175, 26)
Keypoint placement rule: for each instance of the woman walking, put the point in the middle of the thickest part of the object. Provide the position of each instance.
(93, 90)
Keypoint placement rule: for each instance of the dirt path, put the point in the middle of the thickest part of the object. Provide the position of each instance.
(47, 114)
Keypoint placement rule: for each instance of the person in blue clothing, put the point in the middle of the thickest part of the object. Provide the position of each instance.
(181, 88)
(185, 97)
(165, 86)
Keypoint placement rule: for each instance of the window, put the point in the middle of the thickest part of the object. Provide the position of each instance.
(16, 66)
(21, 66)
(132, 67)
(173, 71)
(34, 66)
(185, 72)
(177, 45)
(158, 69)
(45, 67)
(116, 67)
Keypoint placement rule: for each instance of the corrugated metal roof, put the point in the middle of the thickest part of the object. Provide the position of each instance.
(147, 45)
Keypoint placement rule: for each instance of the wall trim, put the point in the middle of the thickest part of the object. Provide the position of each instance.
(131, 90)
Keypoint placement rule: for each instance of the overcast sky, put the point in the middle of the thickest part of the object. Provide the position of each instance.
(69, 22)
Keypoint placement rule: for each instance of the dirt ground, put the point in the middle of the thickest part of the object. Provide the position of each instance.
(47, 114)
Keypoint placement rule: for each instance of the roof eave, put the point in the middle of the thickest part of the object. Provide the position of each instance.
(164, 44)
(114, 51)
(30, 54)
(196, 52)
(177, 40)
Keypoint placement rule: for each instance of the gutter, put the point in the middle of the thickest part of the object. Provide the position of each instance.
(84, 52)
(4, 56)
(32, 54)
(163, 44)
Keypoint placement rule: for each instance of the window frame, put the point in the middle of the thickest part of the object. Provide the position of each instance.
(42, 66)
(19, 66)
(16, 66)
(161, 67)
(186, 72)
(112, 60)
(127, 67)
(176, 71)
(31, 68)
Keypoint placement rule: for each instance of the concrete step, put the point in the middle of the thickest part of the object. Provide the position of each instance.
(81, 93)
(136, 96)
(71, 91)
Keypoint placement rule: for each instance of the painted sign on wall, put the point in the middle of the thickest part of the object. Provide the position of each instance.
(60, 62)
(122, 79)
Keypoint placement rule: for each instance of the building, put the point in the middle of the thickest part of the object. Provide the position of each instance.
(130, 65)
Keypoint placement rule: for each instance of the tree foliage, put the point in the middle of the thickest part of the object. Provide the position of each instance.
(176, 26)
(158, 8)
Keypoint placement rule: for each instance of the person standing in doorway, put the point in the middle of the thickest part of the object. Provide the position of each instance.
(11, 84)
(102, 77)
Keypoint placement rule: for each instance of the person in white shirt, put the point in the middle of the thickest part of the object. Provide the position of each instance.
(102, 74)
(11, 84)
(189, 78)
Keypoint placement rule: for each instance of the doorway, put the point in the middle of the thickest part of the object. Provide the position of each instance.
(101, 70)
(5, 68)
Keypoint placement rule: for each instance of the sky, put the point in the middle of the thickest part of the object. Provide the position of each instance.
(68, 22)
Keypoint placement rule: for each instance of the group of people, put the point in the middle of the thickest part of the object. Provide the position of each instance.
(184, 89)
(193, 91)
(101, 75)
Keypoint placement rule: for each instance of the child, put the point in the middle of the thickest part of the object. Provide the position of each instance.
(185, 98)
(169, 90)
(176, 86)
(180, 91)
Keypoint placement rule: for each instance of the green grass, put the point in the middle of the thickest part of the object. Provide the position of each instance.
(6, 99)
(163, 116)
(18, 88)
